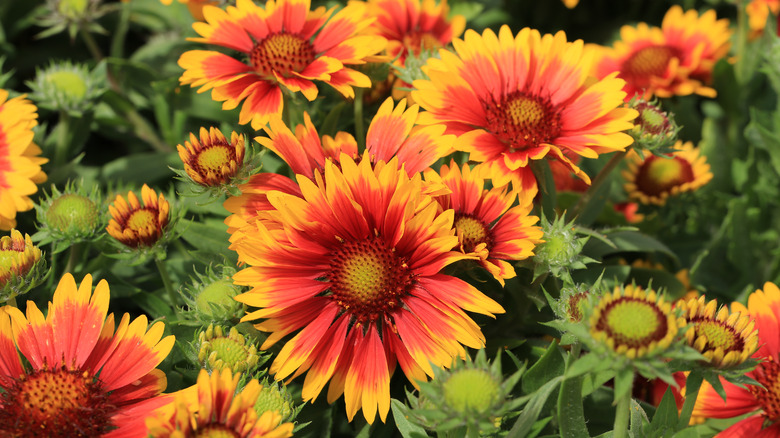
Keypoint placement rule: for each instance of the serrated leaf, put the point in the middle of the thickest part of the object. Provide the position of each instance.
(405, 427)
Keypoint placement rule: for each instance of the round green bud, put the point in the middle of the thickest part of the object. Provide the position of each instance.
(72, 211)
(471, 390)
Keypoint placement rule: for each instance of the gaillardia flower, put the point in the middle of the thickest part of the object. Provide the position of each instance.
(212, 160)
(764, 403)
(653, 179)
(20, 265)
(758, 12)
(353, 268)
(212, 408)
(285, 45)
(725, 339)
(20, 161)
(674, 60)
(79, 377)
(137, 225)
(392, 133)
(513, 99)
(412, 26)
(633, 322)
(486, 223)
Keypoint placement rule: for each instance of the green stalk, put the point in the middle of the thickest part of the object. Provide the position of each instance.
(120, 32)
(360, 129)
(12, 302)
(597, 182)
(73, 256)
(61, 147)
(622, 414)
(166, 279)
(692, 386)
(90, 42)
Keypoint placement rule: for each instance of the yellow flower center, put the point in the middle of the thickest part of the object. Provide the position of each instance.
(72, 210)
(522, 121)
(229, 351)
(283, 54)
(142, 219)
(69, 83)
(632, 322)
(216, 431)
(718, 335)
(659, 175)
(767, 373)
(471, 390)
(471, 232)
(368, 278)
(646, 63)
(213, 159)
(55, 403)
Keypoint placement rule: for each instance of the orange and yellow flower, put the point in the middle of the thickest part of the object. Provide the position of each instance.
(286, 45)
(20, 161)
(514, 99)
(195, 6)
(392, 133)
(352, 270)
(213, 408)
(486, 223)
(412, 26)
(674, 60)
(653, 179)
(135, 225)
(213, 160)
(758, 12)
(764, 403)
(79, 376)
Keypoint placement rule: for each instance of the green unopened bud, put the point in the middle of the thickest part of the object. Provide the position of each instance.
(67, 86)
(460, 395)
(218, 351)
(69, 217)
(211, 297)
(275, 397)
(561, 250)
(73, 9)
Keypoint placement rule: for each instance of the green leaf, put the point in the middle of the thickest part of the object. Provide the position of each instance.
(665, 418)
(141, 168)
(626, 241)
(550, 365)
(638, 420)
(589, 363)
(210, 236)
(571, 417)
(528, 417)
(153, 305)
(405, 427)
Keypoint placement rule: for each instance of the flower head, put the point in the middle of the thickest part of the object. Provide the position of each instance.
(725, 339)
(20, 161)
(73, 15)
(633, 322)
(654, 129)
(472, 393)
(764, 402)
(218, 350)
(674, 60)
(213, 408)
(414, 26)
(79, 376)
(352, 267)
(21, 267)
(210, 296)
(653, 179)
(285, 45)
(65, 86)
(515, 99)
(212, 160)
(758, 12)
(137, 225)
(71, 216)
(486, 222)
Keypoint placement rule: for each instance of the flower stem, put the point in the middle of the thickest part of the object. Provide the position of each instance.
(75, 252)
(12, 302)
(692, 386)
(360, 129)
(597, 182)
(166, 279)
(622, 414)
(90, 43)
(61, 146)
